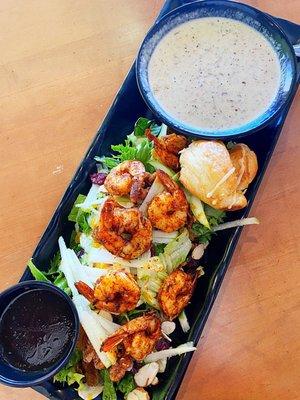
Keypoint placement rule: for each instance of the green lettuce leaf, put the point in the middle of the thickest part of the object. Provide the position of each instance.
(109, 392)
(140, 126)
(80, 216)
(176, 251)
(215, 217)
(201, 232)
(36, 273)
(68, 374)
(54, 275)
(127, 384)
(75, 210)
(159, 248)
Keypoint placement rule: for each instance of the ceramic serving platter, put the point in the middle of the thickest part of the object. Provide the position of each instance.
(127, 107)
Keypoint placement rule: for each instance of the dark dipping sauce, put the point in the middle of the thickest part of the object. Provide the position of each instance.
(35, 330)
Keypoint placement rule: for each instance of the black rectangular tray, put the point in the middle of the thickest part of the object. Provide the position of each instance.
(127, 107)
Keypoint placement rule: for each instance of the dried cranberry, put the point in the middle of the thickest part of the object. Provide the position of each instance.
(191, 264)
(162, 344)
(98, 178)
(79, 253)
(135, 367)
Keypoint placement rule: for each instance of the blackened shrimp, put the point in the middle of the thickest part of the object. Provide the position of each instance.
(116, 292)
(175, 292)
(139, 336)
(168, 210)
(167, 148)
(118, 370)
(124, 232)
(128, 178)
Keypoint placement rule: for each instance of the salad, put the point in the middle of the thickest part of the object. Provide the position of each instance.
(134, 256)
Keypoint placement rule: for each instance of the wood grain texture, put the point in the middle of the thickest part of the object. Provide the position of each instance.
(61, 63)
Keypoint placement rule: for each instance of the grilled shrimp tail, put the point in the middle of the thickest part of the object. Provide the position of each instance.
(85, 290)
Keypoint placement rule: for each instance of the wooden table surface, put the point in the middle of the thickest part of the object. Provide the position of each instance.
(61, 63)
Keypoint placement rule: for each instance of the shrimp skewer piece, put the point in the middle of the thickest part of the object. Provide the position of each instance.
(128, 178)
(168, 210)
(175, 292)
(167, 148)
(138, 336)
(116, 292)
(124, 232)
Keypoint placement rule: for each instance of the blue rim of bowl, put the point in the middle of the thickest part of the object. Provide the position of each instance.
(64, 361)
(197, 132)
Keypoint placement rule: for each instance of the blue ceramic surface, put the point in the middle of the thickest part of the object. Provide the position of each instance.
(227, 9)
(127, 107)
(15, 377)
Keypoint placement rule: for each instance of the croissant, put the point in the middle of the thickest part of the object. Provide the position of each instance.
(245, 163)
(209, 172)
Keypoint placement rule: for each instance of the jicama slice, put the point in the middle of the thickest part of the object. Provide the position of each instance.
(65, 267)
(109, 326)
(197, 208)
(93, 198)
(160, 355)
(184, 323)
(163, 237)
(155, 189)
(89, 392)
(88, 319)
(101, 255)
(157, 164)
(234, 224)
(92, 328)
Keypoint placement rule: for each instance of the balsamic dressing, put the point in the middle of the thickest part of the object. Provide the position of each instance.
(35, 330)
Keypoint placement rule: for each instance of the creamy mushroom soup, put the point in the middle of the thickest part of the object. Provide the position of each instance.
(214, 73)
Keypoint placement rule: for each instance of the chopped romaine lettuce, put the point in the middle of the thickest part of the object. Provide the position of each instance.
(176, 252)
(126, 384)
(159, 248)
(80, 216)
(109, 391)
(61, 282)
(150, 276)
(82, 222)
(74, 211)
(68, 374)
